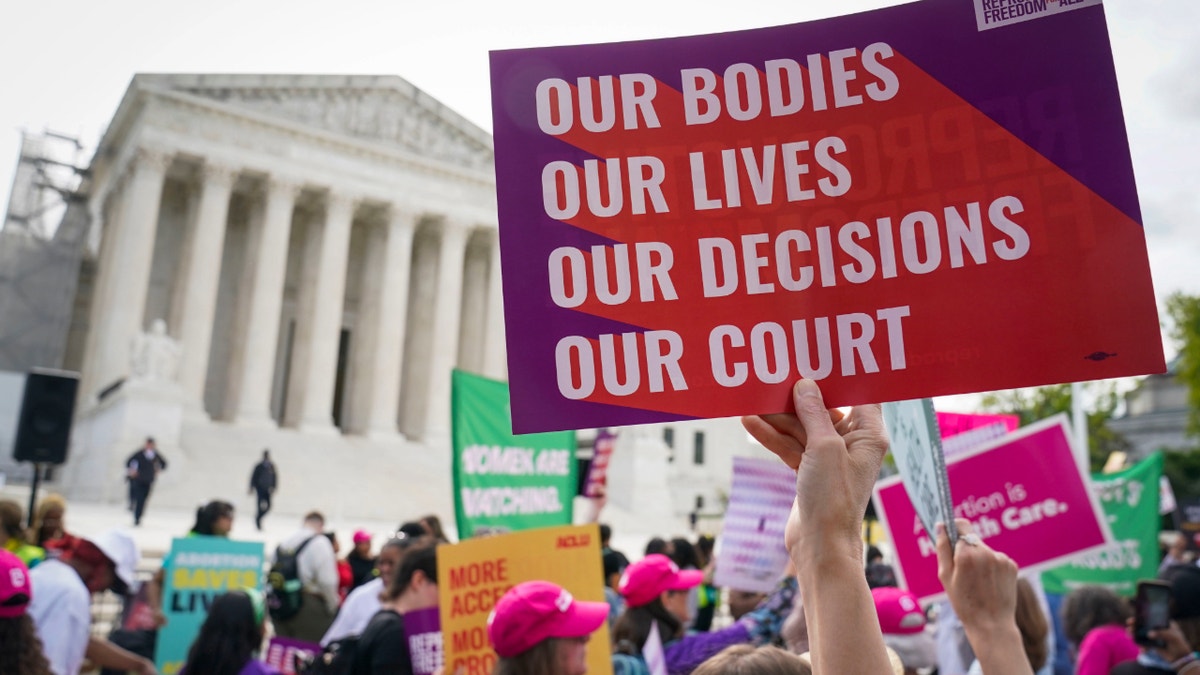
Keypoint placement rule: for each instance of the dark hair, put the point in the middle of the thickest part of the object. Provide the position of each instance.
(605, 533)
(228, 637)
(751, 660)
(540, 659)
(704, 548)
(657, 545)
(433, 525)
(423, 559)
(209, 514)
(684, 554)
(633, 627)
(412, 528)
(1089, 607)
(874, 554)
(1032, 624)
(21, 648)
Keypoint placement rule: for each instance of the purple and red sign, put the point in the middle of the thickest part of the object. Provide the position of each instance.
(1025, 494)
(921, 200)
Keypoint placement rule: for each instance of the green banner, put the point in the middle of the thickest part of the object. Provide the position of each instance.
(504, 482)
(1130, 501)
(196, 571)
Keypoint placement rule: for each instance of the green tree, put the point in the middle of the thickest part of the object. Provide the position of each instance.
(1184, 312)
(1031, 405)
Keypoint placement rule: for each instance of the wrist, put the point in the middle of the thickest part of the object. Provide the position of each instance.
(1192, 659)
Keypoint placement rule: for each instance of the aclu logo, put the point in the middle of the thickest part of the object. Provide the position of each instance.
(573, 541)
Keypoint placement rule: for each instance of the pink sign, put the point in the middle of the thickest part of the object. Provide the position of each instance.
(1025, 494)
(283, 653)
(951, 424)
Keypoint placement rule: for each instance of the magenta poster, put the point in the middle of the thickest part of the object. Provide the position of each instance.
(1025, 494)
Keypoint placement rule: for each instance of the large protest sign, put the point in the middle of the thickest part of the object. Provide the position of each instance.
(504, 482)
(689, 225)
(916, 446)
(752, 556)
(474, 574)
(1025, 494)
(196, 571)
(1130, 502)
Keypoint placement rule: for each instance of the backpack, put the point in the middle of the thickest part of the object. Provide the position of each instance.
(285, 591)
(337, 658)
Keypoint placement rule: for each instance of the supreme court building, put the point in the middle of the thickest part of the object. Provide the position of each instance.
(297, 262)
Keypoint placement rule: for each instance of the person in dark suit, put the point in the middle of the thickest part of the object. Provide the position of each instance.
(262, 482)
(141, 469)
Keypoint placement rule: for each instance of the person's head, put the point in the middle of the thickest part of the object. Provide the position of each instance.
(391, 554)
(874, 555)
(315, 521)
(684, 554)
(11, 518)
(657, 577)
(1185, 599)
(103, 562)
(48, 519)
(658, 545)
(1089, 607)
(750, 660)
(1032, 624)
(362, 543)
(230, 634)
(20, 647)
(614, 566)
(414, 584)
(902, 621)
(539, 628)
(605, 534)
(704, 549)
(149, 444)
(266, 455)
(412, 529)
(214, 519)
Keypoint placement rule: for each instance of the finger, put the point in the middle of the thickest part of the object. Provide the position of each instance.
(945, 555)
(787, 424)
(810, 408)
(868, 417)
(785, 447)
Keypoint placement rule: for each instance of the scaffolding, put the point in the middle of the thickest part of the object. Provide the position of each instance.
(42, 247)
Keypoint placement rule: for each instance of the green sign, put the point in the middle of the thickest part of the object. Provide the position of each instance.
(1130, 501)
(196, 571)
(504, 482)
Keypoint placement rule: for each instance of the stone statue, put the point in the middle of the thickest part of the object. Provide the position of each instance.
(155, 356)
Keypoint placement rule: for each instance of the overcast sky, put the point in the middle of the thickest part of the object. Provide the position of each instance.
(67, 63)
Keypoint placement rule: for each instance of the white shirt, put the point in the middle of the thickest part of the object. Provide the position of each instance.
(356, 612)
(316, 565)
(61, 611)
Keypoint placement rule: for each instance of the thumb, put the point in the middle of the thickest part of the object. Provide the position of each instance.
(945, 556)
(811, 410)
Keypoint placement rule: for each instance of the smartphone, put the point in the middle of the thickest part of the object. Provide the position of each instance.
(1152, 611)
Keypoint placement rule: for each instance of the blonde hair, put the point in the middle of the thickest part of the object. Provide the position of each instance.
(748, 660)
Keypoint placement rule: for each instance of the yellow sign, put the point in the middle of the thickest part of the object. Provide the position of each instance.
(474, 574)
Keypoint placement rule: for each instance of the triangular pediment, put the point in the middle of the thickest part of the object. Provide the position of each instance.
(383, 109)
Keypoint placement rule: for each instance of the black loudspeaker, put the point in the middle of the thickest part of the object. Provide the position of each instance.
(44, 427)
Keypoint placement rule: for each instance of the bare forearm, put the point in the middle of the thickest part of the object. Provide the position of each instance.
(837, 604)
(999, 649)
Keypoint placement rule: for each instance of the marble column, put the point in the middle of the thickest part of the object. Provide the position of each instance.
(319, 324)
(446, 319)
(495, 358)
(383, 312)
(253, 363)
(196, 291)
(124, 277)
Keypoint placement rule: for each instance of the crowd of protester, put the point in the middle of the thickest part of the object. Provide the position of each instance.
(837, 609)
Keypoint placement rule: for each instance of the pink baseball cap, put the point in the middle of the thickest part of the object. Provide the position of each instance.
(15, 589)
(534, 611)
(899, 611)
(361, 536)
(650, 577)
